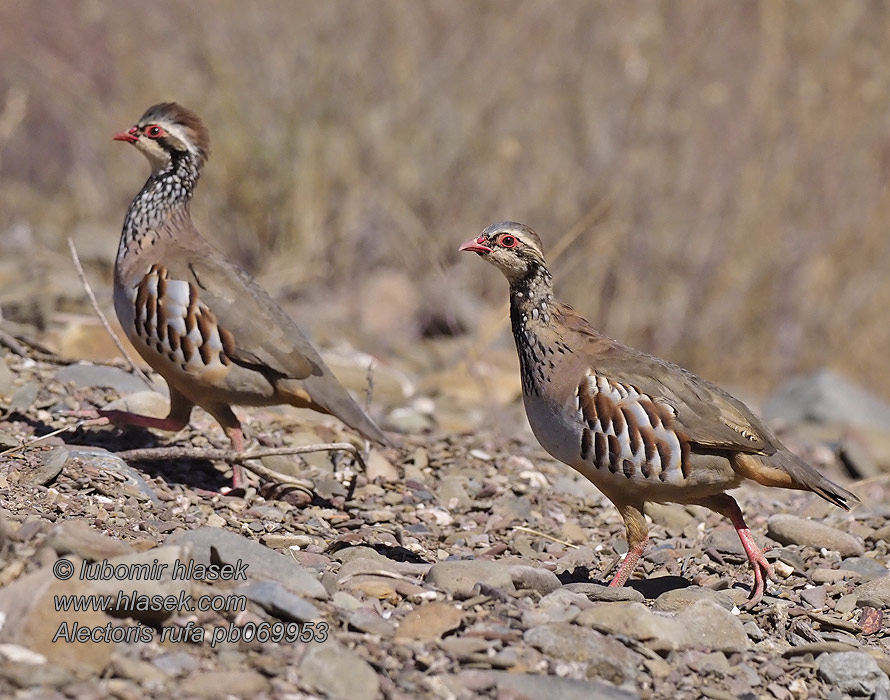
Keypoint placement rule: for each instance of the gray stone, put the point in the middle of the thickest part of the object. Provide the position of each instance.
(605, 657)
(789, 529)
(213, 545)
(459, 578)
(574, 558)
(98, 458)
(875, 593)
(26, 675)
(882, 533)
(88, 376)
(541, 580)
(753, 631)
(78, 537)
(276, 600)
(829, 398)
(369, 621)
(452, 495)
(706, 625)
(726, 541)
(600, 593)
(559, 606)
(672, 517)
(575, 486)
(715, 663)
(220, 683)
(854, 672)
(868, 569)
(337, 672)
(50, 467)
(23, 397)
(176, 662)
(680, 598)
(633, 620)
(535, 686)
(360, 552)
(562, 597)
(815, 596)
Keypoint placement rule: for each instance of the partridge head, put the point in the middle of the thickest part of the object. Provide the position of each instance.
(641, 429)
(215, 335)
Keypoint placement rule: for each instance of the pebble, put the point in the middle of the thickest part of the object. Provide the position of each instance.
(379, 467)
(598, 592)
(176, 662)
(815, 596)
(535, 686)
(370, 621)
(51, 464)
(78, 537)
(218, 545)
(868, 569)
(821, 575)
(460, 578)
(333, 670)
(854, 672)
(680, 598)
(222, 683)
(875, 593)
(672, 517)
(789, 529)
(707, 625)
(881, 534)
(134, 483)
(429, 622)
(276, 600)
(633, 620)
(605, 657)
(87, 375)
(530, 577)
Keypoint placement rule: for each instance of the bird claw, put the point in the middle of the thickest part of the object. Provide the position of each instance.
(763, 570)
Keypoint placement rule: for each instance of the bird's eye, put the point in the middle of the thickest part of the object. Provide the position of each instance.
(153, 131)
(508, 241)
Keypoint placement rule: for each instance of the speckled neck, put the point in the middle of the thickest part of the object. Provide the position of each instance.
(163, 194)
(531, 300)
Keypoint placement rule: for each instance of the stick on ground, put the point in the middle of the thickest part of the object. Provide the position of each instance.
(89, 290)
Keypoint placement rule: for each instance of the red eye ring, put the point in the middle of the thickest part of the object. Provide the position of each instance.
(154, 131)
(508, 241)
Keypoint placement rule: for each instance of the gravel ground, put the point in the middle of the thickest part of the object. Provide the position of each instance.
(455, 566)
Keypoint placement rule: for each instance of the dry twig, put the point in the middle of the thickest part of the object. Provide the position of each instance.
(248, 460)
(89, 290)
(545, 536)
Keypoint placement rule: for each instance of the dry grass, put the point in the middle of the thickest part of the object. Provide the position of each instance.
(740, 153)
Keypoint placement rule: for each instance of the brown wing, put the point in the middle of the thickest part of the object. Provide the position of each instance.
(705, 413)
(263, 337)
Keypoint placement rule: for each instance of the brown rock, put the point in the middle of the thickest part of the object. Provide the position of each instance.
(429, 622)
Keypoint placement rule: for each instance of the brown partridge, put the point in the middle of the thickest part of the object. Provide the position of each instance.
(203, 324)
(638, 427)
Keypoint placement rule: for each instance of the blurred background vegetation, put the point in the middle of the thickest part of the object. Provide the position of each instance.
(713, 175)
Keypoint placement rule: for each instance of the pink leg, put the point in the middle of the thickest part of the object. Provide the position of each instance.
(637, 539)
(236, 435)
(629, 564)
(726, 505)
(176, 420)
(124, 418)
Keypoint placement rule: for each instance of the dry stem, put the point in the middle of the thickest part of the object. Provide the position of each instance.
(89, 290)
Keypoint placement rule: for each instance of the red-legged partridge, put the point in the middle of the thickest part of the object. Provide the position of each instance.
(639, 428)
(203, 324)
